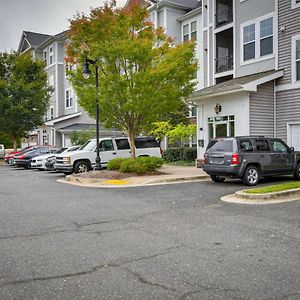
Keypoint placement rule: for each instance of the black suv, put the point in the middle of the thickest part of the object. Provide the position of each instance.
(250, 158)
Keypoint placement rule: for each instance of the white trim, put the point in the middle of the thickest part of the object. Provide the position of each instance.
(289, 133)
(221, 74)
(71, 97)
(56, 86)
(234, 41)
(257, 40)
(165, 19)
(223, 28)
(275, 35)
(288, 86)
(293, 58)
(62, 118)
(294, 4)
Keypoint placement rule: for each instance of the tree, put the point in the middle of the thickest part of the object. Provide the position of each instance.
(143, 75)
(24, 94)
(81, 137)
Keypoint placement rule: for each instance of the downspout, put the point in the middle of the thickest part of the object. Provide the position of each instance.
(275, 109)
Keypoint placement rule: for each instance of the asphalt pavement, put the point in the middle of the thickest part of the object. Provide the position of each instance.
(177, 241)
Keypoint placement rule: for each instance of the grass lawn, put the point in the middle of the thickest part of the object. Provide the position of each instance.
(181, 163)
(275, 188)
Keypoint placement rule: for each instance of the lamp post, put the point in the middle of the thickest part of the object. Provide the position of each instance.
(86, 73)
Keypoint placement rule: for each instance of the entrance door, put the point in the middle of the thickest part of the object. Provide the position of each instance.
(295, 136)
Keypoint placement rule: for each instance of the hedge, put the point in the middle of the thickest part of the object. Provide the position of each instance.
(180, 153)
(140, 165)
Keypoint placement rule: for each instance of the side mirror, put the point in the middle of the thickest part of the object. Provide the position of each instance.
(291, 149)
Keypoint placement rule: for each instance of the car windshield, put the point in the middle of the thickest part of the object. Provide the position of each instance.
(220, 145)
(89, 145)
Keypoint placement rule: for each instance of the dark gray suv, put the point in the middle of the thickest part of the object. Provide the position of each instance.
(250, 158)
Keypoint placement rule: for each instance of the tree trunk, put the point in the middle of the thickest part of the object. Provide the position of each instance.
(15, 143)
(131, 135)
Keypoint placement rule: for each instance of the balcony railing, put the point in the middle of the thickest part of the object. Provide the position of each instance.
(224, 17)
(224, 64)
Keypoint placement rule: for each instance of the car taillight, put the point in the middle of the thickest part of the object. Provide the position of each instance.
(205, 158)
(235, 159)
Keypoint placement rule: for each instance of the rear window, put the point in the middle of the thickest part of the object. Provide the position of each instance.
(150, 143)
(220, 145)
(246, 145)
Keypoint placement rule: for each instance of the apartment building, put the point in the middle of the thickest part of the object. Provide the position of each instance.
(64, 114)
(249, 64)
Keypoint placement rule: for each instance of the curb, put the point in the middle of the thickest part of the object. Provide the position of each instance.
(267, 196)
(88, 182)
(241, 197)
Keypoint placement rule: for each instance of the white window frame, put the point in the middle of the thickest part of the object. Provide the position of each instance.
(187, 34)
(295, 4)
(195, 31)
(293, 61)
(69, 101)
(257, 21)
(51, 112)
(45, 57)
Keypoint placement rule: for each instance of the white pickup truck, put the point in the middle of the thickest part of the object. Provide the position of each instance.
(2, 151)
(83, 160)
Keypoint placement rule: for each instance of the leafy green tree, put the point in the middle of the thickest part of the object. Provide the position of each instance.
(160, 129)
(181, 132)
(143, 75)
(80, 137)
(24, 94)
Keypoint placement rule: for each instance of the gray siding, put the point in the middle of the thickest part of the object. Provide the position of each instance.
(61, 89)
(246, 11)
(173, 25)
(290, 19)
(287, 110)
(262, 110)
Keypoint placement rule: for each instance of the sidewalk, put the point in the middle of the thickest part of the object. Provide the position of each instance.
(172, 174)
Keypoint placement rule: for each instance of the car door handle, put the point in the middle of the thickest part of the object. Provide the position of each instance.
(114, 153)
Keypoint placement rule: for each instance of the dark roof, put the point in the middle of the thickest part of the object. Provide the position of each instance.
(35, 39)
(233, 84)
(51, 39)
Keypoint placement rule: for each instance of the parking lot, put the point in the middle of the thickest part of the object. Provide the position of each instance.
(176, 241)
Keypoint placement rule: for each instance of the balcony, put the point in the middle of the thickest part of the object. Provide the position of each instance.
(224, 17)
(224, 64)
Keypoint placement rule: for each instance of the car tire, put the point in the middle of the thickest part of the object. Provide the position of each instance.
(215, 178)
(81, 167)
(251, 176)
(297, 172)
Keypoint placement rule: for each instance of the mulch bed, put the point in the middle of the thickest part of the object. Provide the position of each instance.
(106, 174)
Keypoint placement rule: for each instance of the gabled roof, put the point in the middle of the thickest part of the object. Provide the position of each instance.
(58, 37)
(246, 83)
(182, 4)
(31, 40)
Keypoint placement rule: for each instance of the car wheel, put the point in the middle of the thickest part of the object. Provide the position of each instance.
(81, 167)
(251, 176)
(297, 172)
(217, 178)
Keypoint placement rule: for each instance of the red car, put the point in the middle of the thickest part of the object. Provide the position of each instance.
(11, 155)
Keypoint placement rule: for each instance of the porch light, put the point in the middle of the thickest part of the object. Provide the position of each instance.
(218, 108)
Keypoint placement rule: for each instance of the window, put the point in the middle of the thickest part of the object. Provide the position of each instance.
(51, 113)
(122, 144)
(266, 37)
(106, 145)
(246, 146)
(193, 111)
(194, 31)
(221, 127)
(45, 58)
(262, 145)
(51, 55)
(249, 42)
(298, 60)
(278, 146)
(51, 80)
(69, 98)
(186, 32)
(146, 143)
(69, 68)
(257, 39)
(221, 145)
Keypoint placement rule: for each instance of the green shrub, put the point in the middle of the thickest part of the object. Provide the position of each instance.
(115, 164)
(139, 165)
(180, 154)
(189, 153)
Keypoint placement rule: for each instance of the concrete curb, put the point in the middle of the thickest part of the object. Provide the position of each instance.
(132, 181)
(241, 197)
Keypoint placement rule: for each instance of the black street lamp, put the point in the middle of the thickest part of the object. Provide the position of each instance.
(86, 73)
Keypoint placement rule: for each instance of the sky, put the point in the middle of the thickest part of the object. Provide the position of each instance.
(43, 16)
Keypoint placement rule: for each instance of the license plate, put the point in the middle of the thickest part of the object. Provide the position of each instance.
(217, 161)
